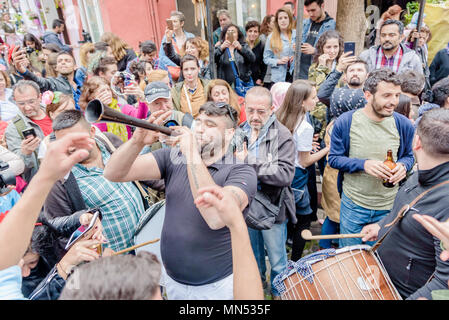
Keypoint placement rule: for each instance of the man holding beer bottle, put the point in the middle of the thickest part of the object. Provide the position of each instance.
(360, 142)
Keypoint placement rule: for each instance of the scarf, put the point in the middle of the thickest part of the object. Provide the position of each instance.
(391, 63)
(118, 129)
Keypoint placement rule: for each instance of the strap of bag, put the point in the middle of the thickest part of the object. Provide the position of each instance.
(235, 69)
(403, 212)
(188, 99)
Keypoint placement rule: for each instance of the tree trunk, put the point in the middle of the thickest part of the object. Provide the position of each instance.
(351, 22)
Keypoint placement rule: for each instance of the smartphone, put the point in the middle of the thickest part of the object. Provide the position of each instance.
(349, 47)
(169, 24)
(85, 233)
(231, 37)
(29, 132)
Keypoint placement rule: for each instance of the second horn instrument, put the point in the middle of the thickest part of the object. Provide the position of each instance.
(97, 112)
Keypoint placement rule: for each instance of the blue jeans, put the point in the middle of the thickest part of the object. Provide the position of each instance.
(274, 241)
(354, 217)
(328, 227)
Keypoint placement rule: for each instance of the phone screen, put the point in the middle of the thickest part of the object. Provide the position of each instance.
(169, 24)
(349, 47)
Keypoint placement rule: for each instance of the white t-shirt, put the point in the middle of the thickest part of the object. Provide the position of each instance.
(303, 138)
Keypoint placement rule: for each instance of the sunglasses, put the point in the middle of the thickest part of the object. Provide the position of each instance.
(228, 107)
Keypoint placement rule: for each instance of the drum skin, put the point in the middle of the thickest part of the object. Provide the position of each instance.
(354, 273)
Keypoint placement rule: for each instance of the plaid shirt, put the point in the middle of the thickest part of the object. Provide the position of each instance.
(120, 203)
(392, 63)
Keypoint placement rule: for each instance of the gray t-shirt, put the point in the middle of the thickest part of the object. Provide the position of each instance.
(194, 254)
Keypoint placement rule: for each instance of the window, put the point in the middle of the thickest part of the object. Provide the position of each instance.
(91, 18)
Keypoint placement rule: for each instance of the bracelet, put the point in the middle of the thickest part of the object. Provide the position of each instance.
(61, 271)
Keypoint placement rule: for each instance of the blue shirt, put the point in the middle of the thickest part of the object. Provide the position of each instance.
(11, 284)
(79, 80)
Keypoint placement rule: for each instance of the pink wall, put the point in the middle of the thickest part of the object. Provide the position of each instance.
(136, 20)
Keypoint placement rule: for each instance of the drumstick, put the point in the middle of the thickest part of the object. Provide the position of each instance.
(135, 247)
(307, 235)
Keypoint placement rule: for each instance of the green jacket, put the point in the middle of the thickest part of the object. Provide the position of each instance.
(318, 74)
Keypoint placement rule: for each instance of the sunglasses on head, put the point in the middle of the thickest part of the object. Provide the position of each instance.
(228, 107)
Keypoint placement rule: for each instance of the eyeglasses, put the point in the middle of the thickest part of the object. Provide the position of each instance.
(259, 112)
(28, 102)
(228, 107)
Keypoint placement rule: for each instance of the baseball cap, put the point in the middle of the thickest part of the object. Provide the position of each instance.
(156, 90)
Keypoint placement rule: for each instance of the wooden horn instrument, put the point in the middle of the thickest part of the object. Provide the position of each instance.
(97, 112)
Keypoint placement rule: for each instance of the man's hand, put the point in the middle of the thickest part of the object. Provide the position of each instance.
(370, 231)
(29, 145)
(168, 35)
(20, 59)
(438, 229)
(64, 153)
(148, 137)
(186, 141)
(241, 155)
(105, 96)
(223, 201)
(345, 60)
(398, 173)
(377, 169)
(307, 48)
(85, 220)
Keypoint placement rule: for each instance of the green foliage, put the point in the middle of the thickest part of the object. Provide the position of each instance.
(412, 8)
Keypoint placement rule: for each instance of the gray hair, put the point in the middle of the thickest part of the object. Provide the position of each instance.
(259, 91)
(178, 14)
(223, 12)
(19, 86)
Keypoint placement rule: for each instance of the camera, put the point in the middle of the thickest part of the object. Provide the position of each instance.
(6, 177)
(29, 50)
(86, 37)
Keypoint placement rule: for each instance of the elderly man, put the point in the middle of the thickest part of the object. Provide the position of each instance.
(28, 99)
(271, 152)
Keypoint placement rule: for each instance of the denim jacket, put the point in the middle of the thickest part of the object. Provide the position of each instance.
(328, 24)
(279, 72)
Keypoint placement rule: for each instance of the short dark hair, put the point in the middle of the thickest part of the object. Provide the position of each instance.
(188, 57)
(65, 53)
(358, 61)
(413, 82)
(433, 129)
(396, 22)
(121, 277)
(103, 64)
(52, 47)
(309, 2)
(380, 75)
(252, 24)
(440, 92)
(68, 119)
(211, 108)
(57, 23)
(147, 47)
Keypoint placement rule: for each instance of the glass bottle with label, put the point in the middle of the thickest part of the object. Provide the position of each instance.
(389, 162)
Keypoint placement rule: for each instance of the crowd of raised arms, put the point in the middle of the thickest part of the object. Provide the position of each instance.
(356, 145)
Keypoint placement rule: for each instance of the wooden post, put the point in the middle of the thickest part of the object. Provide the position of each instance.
(351, 22)
(210, 39)
(299, 29)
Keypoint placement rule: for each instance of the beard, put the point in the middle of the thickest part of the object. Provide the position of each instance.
(355, 81)
(378, 109)
(388, 46)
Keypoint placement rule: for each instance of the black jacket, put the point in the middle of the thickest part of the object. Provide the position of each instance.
(243, 59)
(439, 68)
(409, 253)
(60, 83)
(258, 68)
(130, 56)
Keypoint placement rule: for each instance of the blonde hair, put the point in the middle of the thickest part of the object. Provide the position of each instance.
(118, 46)
(233, 98)
(157, 75)
(85, 50)
(276, 41)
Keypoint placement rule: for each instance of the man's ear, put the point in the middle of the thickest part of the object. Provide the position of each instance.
(92, 131)
(417, 143)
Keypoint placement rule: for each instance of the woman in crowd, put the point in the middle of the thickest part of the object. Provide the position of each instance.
(196, 47)
(265, 29)
(439, 69)
(301, 98)
(328, 50)
(87, 51)
(220, 91)
(121, 51)
(189, 95)
(8, 109)
(279, 48)
(258, 68)
(98, 88)
(404, 107)
(8, 29)
(140, 70)
(235, 53)
(178, 37)
(36, 57)
(50, 66)
(278, 92)
(422, 49)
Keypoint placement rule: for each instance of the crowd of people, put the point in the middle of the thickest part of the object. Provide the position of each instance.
(238, 176)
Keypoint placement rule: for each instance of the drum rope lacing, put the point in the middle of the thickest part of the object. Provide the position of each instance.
(302, 266)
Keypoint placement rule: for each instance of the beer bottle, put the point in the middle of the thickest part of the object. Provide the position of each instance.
(389, 162)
